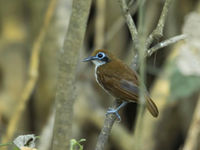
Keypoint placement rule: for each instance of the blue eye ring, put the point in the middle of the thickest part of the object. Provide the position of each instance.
(100, 55)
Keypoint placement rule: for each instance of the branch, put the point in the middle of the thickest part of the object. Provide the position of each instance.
(120, 21)
(65, 94)
(149, 52)
(106, 129)
(192, 140)
(158, 31)
(165, 43)
(33, 74)
(130, 22)
(99, 23)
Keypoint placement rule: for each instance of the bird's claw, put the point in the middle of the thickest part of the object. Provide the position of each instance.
(114, 111)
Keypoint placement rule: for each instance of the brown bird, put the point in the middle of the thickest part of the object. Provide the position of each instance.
(119, 80)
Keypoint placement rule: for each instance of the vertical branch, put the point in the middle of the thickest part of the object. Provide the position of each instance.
(130, 22)
(120, 21)
(99, 23)
(32, 75)
(132, 28)
(69, 55)
(192, 140)
(142, 66)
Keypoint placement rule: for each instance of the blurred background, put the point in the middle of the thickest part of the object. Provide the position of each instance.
(172, 73)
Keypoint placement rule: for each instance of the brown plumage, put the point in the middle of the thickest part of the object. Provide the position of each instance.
(118, 79)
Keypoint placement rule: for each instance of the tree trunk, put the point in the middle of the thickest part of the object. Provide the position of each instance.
(69, 55)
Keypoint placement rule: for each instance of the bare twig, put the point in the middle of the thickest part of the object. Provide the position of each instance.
(134, 6)
(130, 22)
(149, 52)
(120, 21)
(165, 43)
(131, 3)
(158, 31)
(33, 74)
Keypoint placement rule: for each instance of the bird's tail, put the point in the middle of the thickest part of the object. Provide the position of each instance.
(151, 106)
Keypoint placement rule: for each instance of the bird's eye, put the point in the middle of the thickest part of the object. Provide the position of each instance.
(100, 55)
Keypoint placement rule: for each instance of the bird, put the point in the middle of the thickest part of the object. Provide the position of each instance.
(119, 80)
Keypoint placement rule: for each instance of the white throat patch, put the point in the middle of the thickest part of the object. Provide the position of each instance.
(98, 63)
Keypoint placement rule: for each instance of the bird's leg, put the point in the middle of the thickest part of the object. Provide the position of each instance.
(115, 110)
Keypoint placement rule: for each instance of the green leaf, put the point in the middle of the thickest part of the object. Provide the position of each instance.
(74, 144)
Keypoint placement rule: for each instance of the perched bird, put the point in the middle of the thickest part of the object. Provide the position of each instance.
(119, 80)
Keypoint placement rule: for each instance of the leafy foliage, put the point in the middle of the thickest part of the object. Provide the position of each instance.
(74, 144)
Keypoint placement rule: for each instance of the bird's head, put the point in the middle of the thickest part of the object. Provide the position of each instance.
(99, 57)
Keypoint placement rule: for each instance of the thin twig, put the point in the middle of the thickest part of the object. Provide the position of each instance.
(120, 21)
(131, 3)
(130, 22)
(156, 47)
(165, 43)
(33, 75)
(135, 6)
(158, 31)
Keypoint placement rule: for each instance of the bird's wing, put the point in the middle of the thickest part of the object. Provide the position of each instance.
(123, 89)
(129, 86)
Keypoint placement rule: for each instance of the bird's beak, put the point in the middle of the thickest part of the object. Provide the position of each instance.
(89, 58)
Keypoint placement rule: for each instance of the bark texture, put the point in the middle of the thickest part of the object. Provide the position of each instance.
(69, 55)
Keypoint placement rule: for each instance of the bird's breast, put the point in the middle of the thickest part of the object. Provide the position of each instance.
(99, 80)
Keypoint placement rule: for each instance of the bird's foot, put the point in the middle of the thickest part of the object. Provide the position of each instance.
(114, 111)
